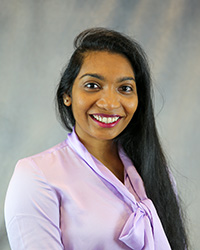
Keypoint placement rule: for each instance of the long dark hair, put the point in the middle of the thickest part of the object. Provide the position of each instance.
(140, 138)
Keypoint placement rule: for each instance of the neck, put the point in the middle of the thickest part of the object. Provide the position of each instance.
(107, 153)
(101, 150)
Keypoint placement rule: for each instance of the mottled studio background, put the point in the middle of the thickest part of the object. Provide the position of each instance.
(35, 43)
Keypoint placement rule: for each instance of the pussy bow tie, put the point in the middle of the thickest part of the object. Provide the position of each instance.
(138, 227)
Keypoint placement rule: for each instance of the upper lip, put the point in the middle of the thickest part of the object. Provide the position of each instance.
(106, 115)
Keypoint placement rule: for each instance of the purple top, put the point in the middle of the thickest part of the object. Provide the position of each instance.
(64, 198)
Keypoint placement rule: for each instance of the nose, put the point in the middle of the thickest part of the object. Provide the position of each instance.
(108, 100)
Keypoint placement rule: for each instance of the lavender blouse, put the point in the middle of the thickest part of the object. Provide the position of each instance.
(64, 198)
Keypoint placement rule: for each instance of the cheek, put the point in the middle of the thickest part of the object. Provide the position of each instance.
(132, 106)
(80, 105)
(77, 101)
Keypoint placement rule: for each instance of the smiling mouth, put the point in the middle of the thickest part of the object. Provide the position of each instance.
(106, 119)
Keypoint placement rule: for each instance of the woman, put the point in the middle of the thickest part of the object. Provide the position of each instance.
(107, 186)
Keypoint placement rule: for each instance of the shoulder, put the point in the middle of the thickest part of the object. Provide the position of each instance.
(53, 166)
(31, 182)
(33, 169)
(40, 170)
(48, 153)
(46, 160)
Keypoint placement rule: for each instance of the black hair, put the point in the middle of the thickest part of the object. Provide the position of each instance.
(140, 138)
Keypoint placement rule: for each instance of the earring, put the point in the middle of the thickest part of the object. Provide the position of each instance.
(66, 101)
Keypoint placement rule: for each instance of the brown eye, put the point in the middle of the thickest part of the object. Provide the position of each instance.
(92, 85)
(126, 89)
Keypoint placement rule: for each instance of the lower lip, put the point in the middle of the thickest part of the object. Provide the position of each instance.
(106, 125)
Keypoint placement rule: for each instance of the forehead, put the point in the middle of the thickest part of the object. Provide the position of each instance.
(106, 62)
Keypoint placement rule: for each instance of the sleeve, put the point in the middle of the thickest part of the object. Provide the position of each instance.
(32, 213)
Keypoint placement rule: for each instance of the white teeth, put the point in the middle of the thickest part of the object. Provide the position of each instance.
(109, 119)
(105, 119)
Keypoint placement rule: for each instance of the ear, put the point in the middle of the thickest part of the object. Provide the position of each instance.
(67, 100)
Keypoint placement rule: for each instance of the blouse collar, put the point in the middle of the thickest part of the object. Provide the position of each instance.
(143, 229)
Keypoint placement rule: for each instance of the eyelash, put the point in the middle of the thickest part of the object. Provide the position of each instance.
(126, 86)
(91, 86)
(88, 86)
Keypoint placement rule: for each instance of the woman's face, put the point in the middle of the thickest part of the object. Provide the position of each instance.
(104, 96)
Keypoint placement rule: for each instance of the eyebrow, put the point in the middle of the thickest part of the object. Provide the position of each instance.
(100, 77)
(126, 78)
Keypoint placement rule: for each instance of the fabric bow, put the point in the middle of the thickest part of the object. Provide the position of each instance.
(137, 227)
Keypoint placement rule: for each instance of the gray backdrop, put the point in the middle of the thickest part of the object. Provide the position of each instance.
(35, 43)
